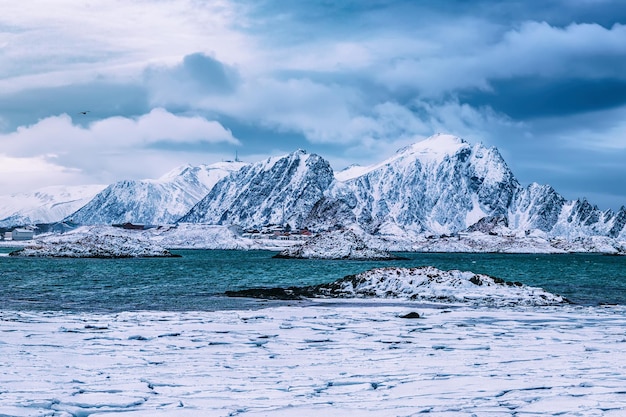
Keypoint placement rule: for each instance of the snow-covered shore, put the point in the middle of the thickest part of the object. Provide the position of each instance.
(328, 358)
(204, 236)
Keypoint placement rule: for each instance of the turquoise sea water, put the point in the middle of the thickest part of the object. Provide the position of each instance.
(197, 280)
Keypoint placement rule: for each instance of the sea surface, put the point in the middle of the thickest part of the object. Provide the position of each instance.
(198, 279)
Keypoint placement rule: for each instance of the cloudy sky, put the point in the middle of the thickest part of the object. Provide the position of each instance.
(98, 91)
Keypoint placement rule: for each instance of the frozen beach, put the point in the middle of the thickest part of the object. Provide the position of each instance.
(347, 357)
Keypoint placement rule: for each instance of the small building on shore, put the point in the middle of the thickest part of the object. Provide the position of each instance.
(22, 234)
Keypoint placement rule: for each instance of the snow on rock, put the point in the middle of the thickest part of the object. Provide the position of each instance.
(198, 236)
(94, 246)
(338, 244)
(592, 244)
(431, 284)
(477, 242)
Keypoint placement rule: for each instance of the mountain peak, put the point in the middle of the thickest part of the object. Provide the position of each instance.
(432, 149)
(436, 146)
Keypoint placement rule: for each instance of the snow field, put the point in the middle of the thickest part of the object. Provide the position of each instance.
(351, 357)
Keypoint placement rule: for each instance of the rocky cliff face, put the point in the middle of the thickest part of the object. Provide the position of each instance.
(153, 201)
(280, 190)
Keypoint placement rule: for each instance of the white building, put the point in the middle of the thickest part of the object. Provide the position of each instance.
(22, 234)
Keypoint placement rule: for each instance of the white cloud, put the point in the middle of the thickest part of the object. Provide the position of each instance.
(157, 126)
(57, 43)
(58, 134)
(601, 131)
(109, 149)
(534, 49)
(27, 173)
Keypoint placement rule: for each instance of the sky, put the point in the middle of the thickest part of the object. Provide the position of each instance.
(93, 92)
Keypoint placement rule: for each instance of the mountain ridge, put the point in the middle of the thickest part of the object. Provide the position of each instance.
(442, 185)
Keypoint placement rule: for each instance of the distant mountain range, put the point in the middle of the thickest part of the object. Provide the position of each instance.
(160, 201)
(439, 186)
(45, 205)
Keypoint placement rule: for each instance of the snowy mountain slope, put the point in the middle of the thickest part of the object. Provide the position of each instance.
(541, 207)
(158, 201)
(444, 185)
(441, 185)
(579, 218)
(535, 207)
(46, 205)
(275, 191)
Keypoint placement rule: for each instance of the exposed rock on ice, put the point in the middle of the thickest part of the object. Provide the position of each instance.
(338, 244)
(422, 284)
(431, 284)
(94, 246)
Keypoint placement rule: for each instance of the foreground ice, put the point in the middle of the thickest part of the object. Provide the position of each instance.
(329, 358)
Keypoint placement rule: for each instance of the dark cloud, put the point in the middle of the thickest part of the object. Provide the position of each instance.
(295, 22)
(596, 176)
(528, 98)
(197, 74)
(259, 138)
(208, 73)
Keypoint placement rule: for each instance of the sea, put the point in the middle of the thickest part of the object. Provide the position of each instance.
(198, 279)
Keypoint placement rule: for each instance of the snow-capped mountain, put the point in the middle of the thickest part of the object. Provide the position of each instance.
(46, 205)
(275, 191)
(444, 185)
(159, 201)
(440, 185)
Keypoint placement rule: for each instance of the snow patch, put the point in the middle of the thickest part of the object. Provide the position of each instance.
(338, 244)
